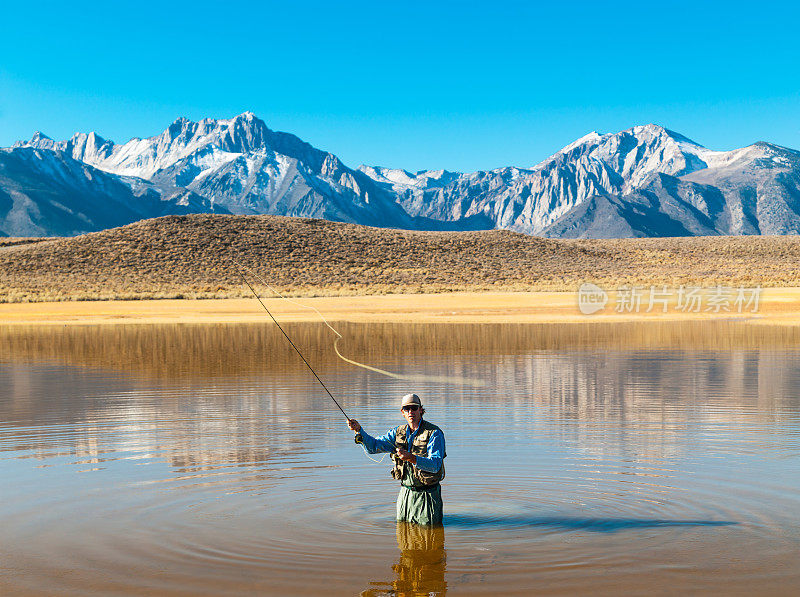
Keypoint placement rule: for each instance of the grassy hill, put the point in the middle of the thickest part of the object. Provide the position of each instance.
(195, 257)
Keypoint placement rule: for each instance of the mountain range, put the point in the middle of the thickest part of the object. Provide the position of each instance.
(646, 181)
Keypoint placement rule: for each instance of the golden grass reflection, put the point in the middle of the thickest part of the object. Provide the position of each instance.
(229, 350)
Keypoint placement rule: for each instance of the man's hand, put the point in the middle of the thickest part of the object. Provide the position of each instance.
(353, 424)
(406, 455)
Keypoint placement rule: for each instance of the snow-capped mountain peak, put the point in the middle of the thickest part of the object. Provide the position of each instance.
(398, 178)
(645, 180)
(594, 139)
(633, 155)
(40, 137)
(38, 141)
(143, 158)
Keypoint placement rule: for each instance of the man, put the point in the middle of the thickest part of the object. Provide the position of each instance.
(418, 453)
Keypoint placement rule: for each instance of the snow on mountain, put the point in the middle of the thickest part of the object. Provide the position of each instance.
(144, 157)
(45, 193)
(753, 190)
(422, 180)
(638, 152)
(618, 185)
(240, 165)
(529, 200)
(761, 187)
(644, 181)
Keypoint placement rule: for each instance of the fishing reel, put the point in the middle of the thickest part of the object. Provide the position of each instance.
(357, 438)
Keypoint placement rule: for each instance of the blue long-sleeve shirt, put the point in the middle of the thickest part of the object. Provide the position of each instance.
(385, 443)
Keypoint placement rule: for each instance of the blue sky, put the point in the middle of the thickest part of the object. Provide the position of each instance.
(415, 85)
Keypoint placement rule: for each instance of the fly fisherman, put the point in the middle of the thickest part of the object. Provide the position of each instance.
(417, 450)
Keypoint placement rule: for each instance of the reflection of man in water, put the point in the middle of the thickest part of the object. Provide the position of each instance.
(418, 454)
(421, 568)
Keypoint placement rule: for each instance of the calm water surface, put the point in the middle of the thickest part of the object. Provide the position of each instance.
(205, 460)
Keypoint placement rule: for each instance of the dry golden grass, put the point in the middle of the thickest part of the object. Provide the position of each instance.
(193, 257)
(776, 306)
(10, 241)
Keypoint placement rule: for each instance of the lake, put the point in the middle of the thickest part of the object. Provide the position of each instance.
(652, 458)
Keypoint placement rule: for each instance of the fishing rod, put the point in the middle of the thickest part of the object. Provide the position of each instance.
(310, 368)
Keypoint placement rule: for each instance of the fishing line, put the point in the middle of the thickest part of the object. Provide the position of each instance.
(310, 368)
(370, 457)
(363, 447)
(464, 381)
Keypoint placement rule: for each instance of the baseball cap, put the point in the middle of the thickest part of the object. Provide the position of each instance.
(410, 399)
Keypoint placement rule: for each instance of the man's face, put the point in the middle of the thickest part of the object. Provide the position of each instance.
(413, 414)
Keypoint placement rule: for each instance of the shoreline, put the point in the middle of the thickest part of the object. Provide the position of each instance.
(777, 306)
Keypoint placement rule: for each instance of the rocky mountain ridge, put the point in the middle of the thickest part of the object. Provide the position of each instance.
(645, 181)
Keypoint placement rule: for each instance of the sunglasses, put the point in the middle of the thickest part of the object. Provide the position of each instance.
(411, 408)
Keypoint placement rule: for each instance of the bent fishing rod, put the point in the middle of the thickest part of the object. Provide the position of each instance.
(310, 368)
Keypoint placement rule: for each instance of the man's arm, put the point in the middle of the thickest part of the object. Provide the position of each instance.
(375, 445)
(433, 462)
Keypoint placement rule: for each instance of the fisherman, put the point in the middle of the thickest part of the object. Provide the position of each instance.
(418, 453)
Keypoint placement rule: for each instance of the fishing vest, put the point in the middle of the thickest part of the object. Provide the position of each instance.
(406, 472)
